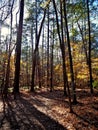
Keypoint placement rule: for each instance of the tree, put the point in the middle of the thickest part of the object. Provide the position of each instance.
(51, 57)
(63, 50)
(70, 56)
(48, 15)
(36, 48)
(61, 46)
(89, 58)
(7, 78)
(18, 49)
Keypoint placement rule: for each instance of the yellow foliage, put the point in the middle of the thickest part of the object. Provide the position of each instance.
(57, 67)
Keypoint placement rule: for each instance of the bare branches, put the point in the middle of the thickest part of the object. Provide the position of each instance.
(5, 10)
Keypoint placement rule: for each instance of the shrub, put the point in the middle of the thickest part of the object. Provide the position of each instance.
(95, 84)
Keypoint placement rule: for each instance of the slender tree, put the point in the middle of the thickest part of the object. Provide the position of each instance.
(63, 49)
(52, 48)
(89, 58)
(7, 78)
(62, 46)
(48, 47)
(58, 30)
(36, 49)
(70, 56)
(18, 48)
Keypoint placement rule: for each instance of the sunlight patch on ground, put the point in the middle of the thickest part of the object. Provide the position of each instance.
(1, 106)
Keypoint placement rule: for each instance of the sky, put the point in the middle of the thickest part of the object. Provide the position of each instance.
(5, 31)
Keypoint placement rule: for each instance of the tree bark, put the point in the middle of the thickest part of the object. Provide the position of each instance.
(89, 58)
(35, 52)
(62, 53)
(18, 49)
(51, 72)
(70, 56)
(48, 50)
(62, 49)
(7, 80)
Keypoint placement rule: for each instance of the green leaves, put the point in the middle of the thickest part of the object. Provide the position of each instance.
(74, 32)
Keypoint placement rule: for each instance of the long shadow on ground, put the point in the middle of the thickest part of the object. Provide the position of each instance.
(22, 115)
(86, 112)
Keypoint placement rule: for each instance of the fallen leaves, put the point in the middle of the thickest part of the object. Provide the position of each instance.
(45, 110)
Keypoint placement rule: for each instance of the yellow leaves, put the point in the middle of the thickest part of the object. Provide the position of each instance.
(23, 63)
(57, 67)
(45, 4)
(12, 66)
(82, 75)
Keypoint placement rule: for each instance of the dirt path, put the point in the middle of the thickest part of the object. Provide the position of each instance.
(50, 111)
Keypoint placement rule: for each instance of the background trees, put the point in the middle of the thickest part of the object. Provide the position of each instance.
(59, 45)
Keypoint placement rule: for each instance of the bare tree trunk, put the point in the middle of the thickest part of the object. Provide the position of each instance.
(62, 53)
(70, 56)
(9, 57)
(48, 50)
(62, 50)
(89, 58)
(51, 72)
(83, 40)
(39, 70)
(18, 49)
(43, 74)
(35, 52)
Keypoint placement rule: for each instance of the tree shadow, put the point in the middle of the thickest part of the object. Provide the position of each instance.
(83, 93)
(95, 106)
(88, 119)
(56, 96)
(22, 115)
(87, 112)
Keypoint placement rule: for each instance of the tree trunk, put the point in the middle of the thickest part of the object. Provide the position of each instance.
(35, 52)
(48, 50)
(51, 72)
(62, 53)
(39, 70)
(70, 56)
(62, 49)
(7, 80)
(42, 67)
(89, 58)
(18, 49)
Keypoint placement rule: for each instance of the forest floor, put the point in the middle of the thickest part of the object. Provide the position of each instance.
(46, 110)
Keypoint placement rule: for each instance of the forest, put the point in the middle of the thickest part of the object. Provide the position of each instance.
(48, 65)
